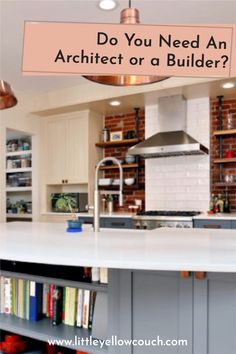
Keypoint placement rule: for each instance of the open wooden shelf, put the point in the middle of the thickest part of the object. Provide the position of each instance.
(113, 167)
(225, 184)
(125, 142)
(224, 132)
(16, 170)
(225, 160)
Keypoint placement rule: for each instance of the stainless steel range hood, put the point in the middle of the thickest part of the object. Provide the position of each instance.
(173, 139)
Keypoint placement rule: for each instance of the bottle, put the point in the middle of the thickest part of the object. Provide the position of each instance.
(226, 203)
(212, 202)
(220, 204)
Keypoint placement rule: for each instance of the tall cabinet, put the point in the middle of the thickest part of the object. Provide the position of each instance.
(69, 154)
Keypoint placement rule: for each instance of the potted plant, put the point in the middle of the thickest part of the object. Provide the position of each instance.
(67, 203)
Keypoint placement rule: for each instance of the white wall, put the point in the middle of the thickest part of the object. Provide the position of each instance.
(180, 183)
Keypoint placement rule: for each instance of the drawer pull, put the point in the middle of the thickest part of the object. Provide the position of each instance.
(200, 275)
(212, 226)
(185, 274)
(116, 223)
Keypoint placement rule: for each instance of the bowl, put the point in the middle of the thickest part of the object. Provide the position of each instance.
(129, 181)
(105, 181)
(129, 158)
(115, 182)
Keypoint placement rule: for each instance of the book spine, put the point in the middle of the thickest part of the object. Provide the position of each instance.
(13, 295)
(86, 308)
(2, 295)
(27, 300)
(104, 275)
(24, 298)
(35, 307)
(79, 317)
(20, 311)
(63, 305)
(91, 308)
(51, 288)
(70, 306)
(45, 298)
(16, 299)
(57, 305)
(7, 295)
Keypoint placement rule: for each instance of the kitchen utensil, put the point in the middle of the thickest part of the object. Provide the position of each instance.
(129, 181)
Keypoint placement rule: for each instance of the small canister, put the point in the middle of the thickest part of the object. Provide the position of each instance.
(105, 134)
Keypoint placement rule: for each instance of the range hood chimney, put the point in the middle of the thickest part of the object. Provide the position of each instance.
(173, 139)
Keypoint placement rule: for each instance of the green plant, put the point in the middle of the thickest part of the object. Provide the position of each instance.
(65, 203)
(108, 198)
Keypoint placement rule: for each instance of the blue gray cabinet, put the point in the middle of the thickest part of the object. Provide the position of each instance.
(212, 224)
(162, 306)
(233, 224)
(118, 223)
(110, 222)
(147, 304)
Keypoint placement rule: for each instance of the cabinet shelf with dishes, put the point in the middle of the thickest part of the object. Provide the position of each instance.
(18, 174)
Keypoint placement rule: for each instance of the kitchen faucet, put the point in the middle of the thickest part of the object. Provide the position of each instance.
(97, 192)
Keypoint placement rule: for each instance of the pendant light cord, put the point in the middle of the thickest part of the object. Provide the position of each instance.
(129, 3)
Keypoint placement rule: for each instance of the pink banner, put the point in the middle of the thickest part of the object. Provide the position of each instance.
(170, 50)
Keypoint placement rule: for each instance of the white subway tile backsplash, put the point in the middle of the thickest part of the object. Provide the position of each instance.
(180, 182)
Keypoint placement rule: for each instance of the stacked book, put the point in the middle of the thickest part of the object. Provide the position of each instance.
(32, 301)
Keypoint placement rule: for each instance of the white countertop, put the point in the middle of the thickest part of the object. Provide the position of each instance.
(90, 214)
(160, 249)
(230, 216)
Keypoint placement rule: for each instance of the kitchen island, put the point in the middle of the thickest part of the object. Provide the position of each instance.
(146, 295)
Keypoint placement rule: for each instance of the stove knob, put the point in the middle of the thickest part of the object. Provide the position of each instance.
(179, 225)
(186, 226)
(145, 226)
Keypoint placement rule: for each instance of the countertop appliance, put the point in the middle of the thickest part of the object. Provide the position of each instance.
(153, 219)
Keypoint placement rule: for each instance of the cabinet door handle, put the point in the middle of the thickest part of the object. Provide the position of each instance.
(212, 226)
(63, 181)
(200, 275)
(185, 274)
(66, 181)
(117, 223)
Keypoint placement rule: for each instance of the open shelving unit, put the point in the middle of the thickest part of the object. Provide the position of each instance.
(221, 134)
(43, 329)
(18, 169)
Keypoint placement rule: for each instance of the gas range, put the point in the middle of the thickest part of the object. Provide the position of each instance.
(153, 219)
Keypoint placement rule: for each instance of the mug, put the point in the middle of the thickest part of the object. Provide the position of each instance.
(229, 154)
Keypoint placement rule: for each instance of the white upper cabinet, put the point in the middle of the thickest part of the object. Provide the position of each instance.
(70, 151)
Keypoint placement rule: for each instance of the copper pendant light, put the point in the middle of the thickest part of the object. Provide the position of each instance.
(7, 98)
(127, 16)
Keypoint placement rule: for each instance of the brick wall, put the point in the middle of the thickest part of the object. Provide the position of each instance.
(125, 122)
(229, 143)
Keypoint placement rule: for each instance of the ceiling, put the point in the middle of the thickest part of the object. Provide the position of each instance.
(15, 12)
